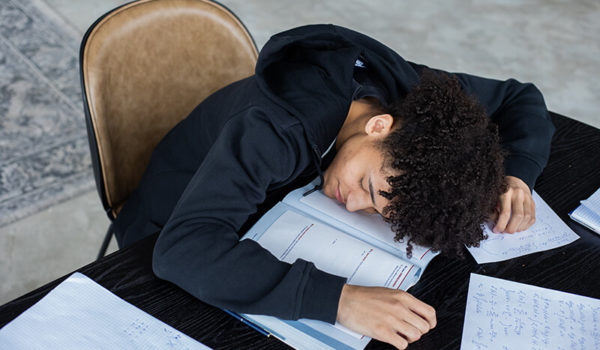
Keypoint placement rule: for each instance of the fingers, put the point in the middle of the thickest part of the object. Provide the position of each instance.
(400, 335)
(423, 316)
(516, 206)
(413, 318)
(408, 332)
(517, 212)
(532, 210)
(504, 215)
(391, 337)
(528, 213)
(389, 315)
(522, 212)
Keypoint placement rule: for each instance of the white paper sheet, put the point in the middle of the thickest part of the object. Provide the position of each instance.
(503, 315)
(81, 314)
(548, 232)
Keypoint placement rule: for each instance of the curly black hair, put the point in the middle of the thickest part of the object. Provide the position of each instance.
(447, 163)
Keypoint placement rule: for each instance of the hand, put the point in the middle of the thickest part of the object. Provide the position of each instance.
(516, 208)
(389, 315)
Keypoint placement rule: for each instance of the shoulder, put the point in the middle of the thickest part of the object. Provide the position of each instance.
(259, 131)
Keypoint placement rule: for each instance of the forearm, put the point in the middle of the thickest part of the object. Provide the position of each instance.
(524, 124)
(526, 132)
(212, 265)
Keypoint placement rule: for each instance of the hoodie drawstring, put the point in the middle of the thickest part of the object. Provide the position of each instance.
(317, 161)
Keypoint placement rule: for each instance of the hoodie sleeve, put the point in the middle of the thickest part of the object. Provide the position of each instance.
(523, 121)
(200, 251)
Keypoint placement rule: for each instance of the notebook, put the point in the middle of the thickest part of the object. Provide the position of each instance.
(588, 212)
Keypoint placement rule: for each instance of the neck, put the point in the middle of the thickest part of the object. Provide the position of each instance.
(359, 113)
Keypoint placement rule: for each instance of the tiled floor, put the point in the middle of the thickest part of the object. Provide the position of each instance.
(553, 44)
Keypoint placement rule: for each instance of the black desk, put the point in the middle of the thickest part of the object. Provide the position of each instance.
(572, 174)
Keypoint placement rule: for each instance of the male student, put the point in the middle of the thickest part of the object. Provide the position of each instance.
(419, 147)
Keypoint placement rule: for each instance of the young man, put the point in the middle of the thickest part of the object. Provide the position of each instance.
(385, 135)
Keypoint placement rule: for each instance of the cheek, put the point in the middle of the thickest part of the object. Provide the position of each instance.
(338, 165)
(347, 166)
(349, 171)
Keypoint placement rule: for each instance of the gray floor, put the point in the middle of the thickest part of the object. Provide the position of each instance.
(551, 43)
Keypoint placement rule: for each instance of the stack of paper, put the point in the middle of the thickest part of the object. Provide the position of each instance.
(81, 314)
(588, 213)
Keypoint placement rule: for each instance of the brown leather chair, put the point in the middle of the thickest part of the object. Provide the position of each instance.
(144, 67)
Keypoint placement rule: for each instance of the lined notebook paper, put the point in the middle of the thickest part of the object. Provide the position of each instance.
(588, 213)
(81, 314)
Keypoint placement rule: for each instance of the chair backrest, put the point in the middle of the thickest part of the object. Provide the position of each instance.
(144, 67)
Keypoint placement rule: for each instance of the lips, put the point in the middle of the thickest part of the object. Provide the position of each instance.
(338, 195)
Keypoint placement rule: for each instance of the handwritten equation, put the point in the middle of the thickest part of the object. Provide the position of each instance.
(509, 315)
(548, 232)
(168, 338)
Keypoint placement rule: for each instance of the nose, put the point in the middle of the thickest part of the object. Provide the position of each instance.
(358, 201)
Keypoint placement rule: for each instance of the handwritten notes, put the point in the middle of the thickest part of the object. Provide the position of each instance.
(81, 314)
(503, 315)
(548, 232)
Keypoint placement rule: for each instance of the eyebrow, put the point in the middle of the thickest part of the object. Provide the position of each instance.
(371, 191)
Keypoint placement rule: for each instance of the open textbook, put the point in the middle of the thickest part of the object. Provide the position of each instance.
(358, 246)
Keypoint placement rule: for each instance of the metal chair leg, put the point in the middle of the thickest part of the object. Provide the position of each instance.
(107, 237)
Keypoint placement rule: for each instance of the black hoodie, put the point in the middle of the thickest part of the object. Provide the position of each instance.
(258, 135)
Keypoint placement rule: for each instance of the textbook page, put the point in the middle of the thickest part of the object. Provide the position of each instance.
(290, 235)
(81, 314)
(294, 236)
(369, 227)
(548, 232)
(502, 314)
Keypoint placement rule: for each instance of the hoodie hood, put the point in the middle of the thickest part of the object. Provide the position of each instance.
(308, 71)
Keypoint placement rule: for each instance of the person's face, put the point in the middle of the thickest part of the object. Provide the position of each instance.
(356, 175)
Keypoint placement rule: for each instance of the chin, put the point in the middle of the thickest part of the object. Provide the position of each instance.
(327, 191)
(325, 188)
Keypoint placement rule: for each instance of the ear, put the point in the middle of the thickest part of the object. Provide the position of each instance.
(379, 125)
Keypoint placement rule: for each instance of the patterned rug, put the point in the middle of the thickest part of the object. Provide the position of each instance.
(44, 155)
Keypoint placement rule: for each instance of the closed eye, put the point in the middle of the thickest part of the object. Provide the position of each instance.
(362, 185)
(370, 192)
